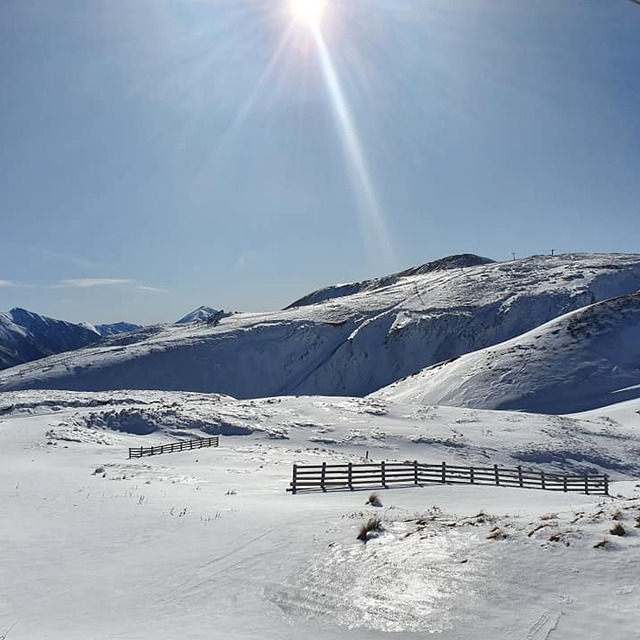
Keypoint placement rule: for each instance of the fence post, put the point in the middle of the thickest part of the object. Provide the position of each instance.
(496, 474)
(294, 478)
(586, 485)
(415, 472)
(383, 475)
(520, 481)
(542, 482)
(564, 483)
(472, 479)
(606, 484)
(350, 476)
(444, 473)
(322, 477)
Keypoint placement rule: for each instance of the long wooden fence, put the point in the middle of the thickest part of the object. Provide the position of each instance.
(181, 445)
(386, 474)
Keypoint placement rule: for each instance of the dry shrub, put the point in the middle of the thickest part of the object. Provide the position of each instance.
(618, 530)
(374, 500)
(373, 525)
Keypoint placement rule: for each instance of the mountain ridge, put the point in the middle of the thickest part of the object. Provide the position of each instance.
(26, 336)
(349, 345)
(578, 362)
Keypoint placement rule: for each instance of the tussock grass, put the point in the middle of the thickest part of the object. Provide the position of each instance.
(374, 500)
(373, 525)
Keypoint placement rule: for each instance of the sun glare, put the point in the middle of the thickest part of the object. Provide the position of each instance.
(308, 12)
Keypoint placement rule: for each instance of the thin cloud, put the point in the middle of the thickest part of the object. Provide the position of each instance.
(92, 283)
(88, 283)
(75, 260)
(7, 283)
(144, 287)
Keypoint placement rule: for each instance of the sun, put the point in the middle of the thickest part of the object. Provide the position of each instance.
(308, 12)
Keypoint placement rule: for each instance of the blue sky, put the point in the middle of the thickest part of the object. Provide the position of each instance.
(156, 155)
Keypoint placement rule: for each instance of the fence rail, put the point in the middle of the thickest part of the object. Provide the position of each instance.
(181, 445)
(385, 474)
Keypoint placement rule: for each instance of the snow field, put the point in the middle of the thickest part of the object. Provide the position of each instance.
(209, 544)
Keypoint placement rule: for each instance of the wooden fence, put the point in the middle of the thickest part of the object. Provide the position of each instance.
(181, 445)
(385, 474)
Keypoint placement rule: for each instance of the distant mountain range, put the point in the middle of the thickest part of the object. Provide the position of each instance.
(27, 336)
(354, 339)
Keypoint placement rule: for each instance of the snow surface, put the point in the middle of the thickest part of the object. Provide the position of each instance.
(198, 315)
(208, 543)
(352, 344)
(586, 359)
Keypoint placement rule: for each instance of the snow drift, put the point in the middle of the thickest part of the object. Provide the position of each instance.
(586, 359)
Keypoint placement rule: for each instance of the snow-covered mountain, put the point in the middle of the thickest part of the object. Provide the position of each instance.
(353, 344)
(583, 360)
(113, 329)
(200, 314)
(340, 290)
(27, 336)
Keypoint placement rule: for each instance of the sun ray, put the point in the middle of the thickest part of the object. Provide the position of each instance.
(262, 82)
(373, 217)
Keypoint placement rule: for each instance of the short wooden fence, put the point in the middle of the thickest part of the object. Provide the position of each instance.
(386, 474)
(181, 445)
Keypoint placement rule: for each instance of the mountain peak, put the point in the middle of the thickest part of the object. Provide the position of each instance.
(198, 315)
(457, 261)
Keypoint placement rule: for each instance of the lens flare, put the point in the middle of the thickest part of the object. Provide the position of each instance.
(308, 12)
(373, 219)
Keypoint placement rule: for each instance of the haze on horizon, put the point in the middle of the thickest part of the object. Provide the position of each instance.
(159, 156)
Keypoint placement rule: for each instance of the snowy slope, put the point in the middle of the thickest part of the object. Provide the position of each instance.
(113, 329)
(585, 443)
(198, 315)
(208, 544)
(350, 344)
(340, 290)
(583, 360)
(26, 336)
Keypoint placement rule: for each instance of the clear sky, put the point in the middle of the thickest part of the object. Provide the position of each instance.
(156, 155)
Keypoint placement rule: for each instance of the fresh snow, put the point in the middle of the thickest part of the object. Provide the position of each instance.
(586, 359)
(209, 544)
(353, 343)
(200, 314)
